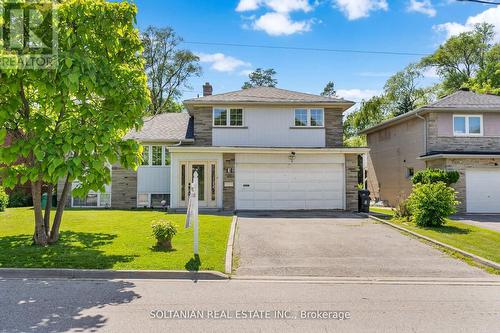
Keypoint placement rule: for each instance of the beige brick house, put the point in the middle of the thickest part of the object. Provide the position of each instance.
(254, 149)
(458, 132)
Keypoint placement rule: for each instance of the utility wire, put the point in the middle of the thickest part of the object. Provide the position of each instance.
(307, 48)
(482, 1)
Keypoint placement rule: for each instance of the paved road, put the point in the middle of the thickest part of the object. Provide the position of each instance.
(337, 245)
(125, 306)
(488, 221)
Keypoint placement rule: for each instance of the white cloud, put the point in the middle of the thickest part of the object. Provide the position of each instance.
(277, 21)
(491, 15)
(357, 95)
(423, 7)
(221, 62)
(430, 73)
(280, 6)
(277, 24)
(246, 72)
(356, 9)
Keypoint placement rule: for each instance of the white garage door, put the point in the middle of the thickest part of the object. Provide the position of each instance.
(289, 186)
(483, 191)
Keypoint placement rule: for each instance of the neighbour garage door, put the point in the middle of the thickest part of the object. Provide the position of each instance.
(261, 186)
(483, 191)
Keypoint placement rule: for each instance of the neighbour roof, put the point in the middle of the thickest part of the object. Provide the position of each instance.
(164, 127)
(266, 95)
(461, 100)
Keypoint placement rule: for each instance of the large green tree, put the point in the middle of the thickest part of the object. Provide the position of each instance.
(403, 91)
(261, 78)
(487, 79)
(461, 57)
(329, 90)
(168, 68)
(68, 122)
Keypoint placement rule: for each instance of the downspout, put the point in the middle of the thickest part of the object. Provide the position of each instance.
(425, 131)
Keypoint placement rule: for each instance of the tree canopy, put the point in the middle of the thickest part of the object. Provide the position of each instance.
(461, 57)
(68, 122)
(329, 90)
(168, 68)
(261, 78)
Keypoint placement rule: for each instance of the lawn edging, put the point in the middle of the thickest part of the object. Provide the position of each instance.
(107, 274)
(230, 244)
(474, 257)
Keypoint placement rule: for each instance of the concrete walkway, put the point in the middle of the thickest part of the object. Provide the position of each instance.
(487, 221)
(337, 245)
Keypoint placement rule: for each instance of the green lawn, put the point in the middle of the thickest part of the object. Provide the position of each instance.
(479, 241)
(112, 239)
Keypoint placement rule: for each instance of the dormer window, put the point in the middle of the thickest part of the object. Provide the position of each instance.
(227, 117)
(467, 125)
(309, 118)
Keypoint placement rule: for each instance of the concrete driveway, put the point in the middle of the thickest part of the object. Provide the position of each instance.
(336, 245)
(488, 221)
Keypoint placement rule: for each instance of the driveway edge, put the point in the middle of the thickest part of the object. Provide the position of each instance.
(229, 248)
(105, 274)
(474, 257)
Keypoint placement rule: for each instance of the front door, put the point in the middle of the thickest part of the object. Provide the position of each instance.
(207, 182)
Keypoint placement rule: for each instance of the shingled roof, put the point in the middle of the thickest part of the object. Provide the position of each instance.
(164, 127)
(267, 95)
(463, 99)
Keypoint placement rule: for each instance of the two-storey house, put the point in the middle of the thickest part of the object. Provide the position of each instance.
(254, 149)
(459, 132)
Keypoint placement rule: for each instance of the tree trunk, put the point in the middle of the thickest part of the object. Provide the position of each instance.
(48, 207)
(54, 232)
(40, 236)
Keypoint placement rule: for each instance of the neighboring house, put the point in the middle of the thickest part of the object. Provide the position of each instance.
(254, 149)
(459, 132)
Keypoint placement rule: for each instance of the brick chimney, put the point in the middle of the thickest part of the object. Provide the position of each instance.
(207, 89)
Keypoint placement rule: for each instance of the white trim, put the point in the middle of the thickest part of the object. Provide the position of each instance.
(437, 156)
(269, 150)
(308, 111)
(228, 117)
(467, 116)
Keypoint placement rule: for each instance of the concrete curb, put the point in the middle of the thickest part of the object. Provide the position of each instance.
(229, 249)
(474, 257)
(104, 274)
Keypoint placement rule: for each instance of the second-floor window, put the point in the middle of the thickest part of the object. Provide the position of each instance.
(309, 118)
(229, 117)
(467, 125)
(155, 155)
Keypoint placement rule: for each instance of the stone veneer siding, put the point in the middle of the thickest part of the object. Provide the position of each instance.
(351, 181)
(461, 165)
(123, 188)
(203, 126)
(435, 142)
(228, 192)
(333, 128)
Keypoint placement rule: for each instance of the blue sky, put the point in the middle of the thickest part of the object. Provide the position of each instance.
(414, 26)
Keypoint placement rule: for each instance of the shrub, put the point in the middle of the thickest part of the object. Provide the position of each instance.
(401, 211)
(4, 199)
(19, 198)
(428, 176)
(164, 231)
(431, 203)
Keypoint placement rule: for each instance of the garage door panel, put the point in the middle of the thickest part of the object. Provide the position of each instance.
(289, 186)
(483, 190)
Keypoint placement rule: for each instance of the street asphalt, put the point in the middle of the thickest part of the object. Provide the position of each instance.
(488, 221)
(130, 305)
(337, 245)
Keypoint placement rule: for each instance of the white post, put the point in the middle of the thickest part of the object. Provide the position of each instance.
(195, 211)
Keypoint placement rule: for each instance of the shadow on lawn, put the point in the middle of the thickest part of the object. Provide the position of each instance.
(74, 250)
(449, 229)
(194, 263)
